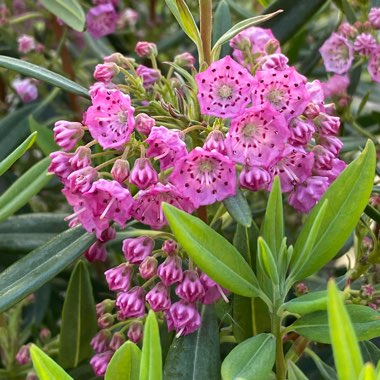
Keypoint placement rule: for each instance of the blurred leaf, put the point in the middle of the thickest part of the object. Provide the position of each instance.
(79, 322)
(45, 367)
(212, 253)
(251, 359)
(307, 303)
(24, 188)
(372, 213)
(314, 326)
(69, 11)
(239, 10)
(327, 372)
(370, 352)
(367, 372)
(363, 102)
(45, 137)
(41, 265)
(238, 207)
(354, 79)
(125, 363)
(346, 8)
(222, 23)
(345, 346)
(294, 373)
(151, 360)
(348, 195)
(34, 71)
(267, 261)
(196, 356)
(16, 154)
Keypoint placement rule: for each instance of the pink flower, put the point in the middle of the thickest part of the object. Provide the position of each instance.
(67, 134)
(26, 43)
(120, 170)
(137, 249)
(204, 177)
(170, 247)
(143, 174)
(337, 54)
(99, 86)
(170, 271)
(374, 17)
(23, 355)
(110, 119)
(365, 43)
(327, 124)
(128, 18)
(347, 30)
(101, 20)
(258, 136)
(185, 317)
(135, 332)
(215, 141)
(284, 90)
(159, 297)
(337, 166)
(82, 179)
(190, 289)
(332, 143)
(224, 88)
(119, 278)
(147, 208)
(100, 342)
(144, 123)
(148, 267)
(322, 157)
(60, 165)
(106, 71)
(81, 158)
(96, 252)
(99, 362)
(255, 178)
(145, 49)
(301, 130)
(374, 64)
(165, 145)
(336, 85)
(184, 60)
(275, 61)
(25, 89)
(131, 303)
(149, 76)
(307, 194)
(213, 291)
(117, 341)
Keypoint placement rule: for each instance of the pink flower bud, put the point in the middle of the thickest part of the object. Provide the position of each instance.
(106, 71)
(215, 141)
(45, 335)
(137, 249)
(367, 290)
(81, 158)
(31, 375)
(106, 320)
(276, 61)
(322, 157)
(145, 49)
(159, 298)
(131, 303)
(191, 288)
(301, 289)
(120, 170)
(185, 317)
(184, 60)
(60, 164)
(213, 291)
(106, 306)
(127, 18)
(312, 110)
(26, 43)
(374, 17)
(144, 123)
(149, 76)
(143, 174)
(100, 342)
(26, 89)
(255, 178)
(272, 46)
(99, 362)
(301, 131)
(328, 125)
(23, 354)
(97, 252)
(117, 341)
(135, 332)
(82, 179)
(170, 247)
(117, 58)
(170, 271)
(119, 278)
(67, 134)
(107, 235)
(148, 267)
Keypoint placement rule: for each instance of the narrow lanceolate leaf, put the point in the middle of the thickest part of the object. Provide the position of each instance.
(45, 75)
(125, 363)
(16, 154)
(69, 11)
(272, 229)
(294, 373)
(45, 367)
(238, 207)
(28, 185)
(347, 197)
(222, 23)
(41, 265)
(79, 323)
(151, 359)
(347, 355)
(308, 303)
(196, 356)
(251, 359)
(45, 137)
(267, 261)
(212, 253)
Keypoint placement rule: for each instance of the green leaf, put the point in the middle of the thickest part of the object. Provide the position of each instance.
(196, 356)
(69, 11)
(34, 71)
(294, 373)
(45, 137)
(79, 323)
(348, 195)
(45, 367)
(327, 372)
(308, 303)
(41, 265)
(151, 360)
(346, 8)
(314, 326)
(16, 154)
(345, 346)
(272, 229)
(367, 372)
(212, 253)
(28, 185)
(222, 23)
(238, 207)
(370, 352)
(267, 261)
(372, 213)
(238, 28)
(250, 360)
(125, 363)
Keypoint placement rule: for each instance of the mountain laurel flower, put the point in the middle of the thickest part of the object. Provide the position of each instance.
(132, 303)
(100, 342)
(145, 49)
(255, 178)
(149, 76)
(143, 174)
(106, 71)
(190, 288)
(159, 297)
(365, 43)
(119, 278)
(96, 252)
(170, 247)
(120, 170)
(117, 340)
(144, 123)
(170, 271)
(67, 134)
(374, 65)
(213, 291)
(101, 20)
(26, 89)
(185, 317)
(81, 158)
(99, 362)
(60, 165)
(184, 60)
(137, 249)
(23, 355)
(148, 267)
(215, 141)
(374, 17)
(336, 85)
(135, 332)
(81, 180)
(26, 44)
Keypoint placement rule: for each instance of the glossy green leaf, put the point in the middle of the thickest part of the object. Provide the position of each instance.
(238, 207)
(272, 229)
(28, 185)
(348, 195)
(307, 303)
(222, 23)
(327, 372)
(367, 372)
(294, 373)
(250, 360)
(370, 352)
(267, 261)
(125, 363)
(16, 154)
(372, 213)
(45, 75)
(346, 8)
(45, 137)
(79, 323)
(196, 356)
(151, 360)
(69, 11)
(345, 346)
(314, 326)
(45, 367)
(41, 265)
(212, 253)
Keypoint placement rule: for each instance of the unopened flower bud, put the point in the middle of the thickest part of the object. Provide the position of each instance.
(100, 342)
(120, 170)
(117, 341)
(170, 271)
(145, 49)
(106, 320)
(159, 297)
(137, 249)
(215, 141)
(23, 354)
(143, 174)
(272, 46)
(106, 71)
(148, 267)
(119, 278)
(67, 134)
(170, 246)
(135, 332)
(301, 289)
(144, 123)
(131, 304)
(45, 335)
(184, 60)
(81, 158)
(97, 252)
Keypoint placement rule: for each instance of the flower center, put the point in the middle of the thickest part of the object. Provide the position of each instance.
(122, 117)
(275, 97)
(206, 166)
(225, 91)
(249, 130)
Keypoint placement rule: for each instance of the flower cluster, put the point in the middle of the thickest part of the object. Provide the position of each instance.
(358, 41)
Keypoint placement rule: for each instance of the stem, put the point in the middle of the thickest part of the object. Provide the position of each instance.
(280, 362)
(205, 13)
